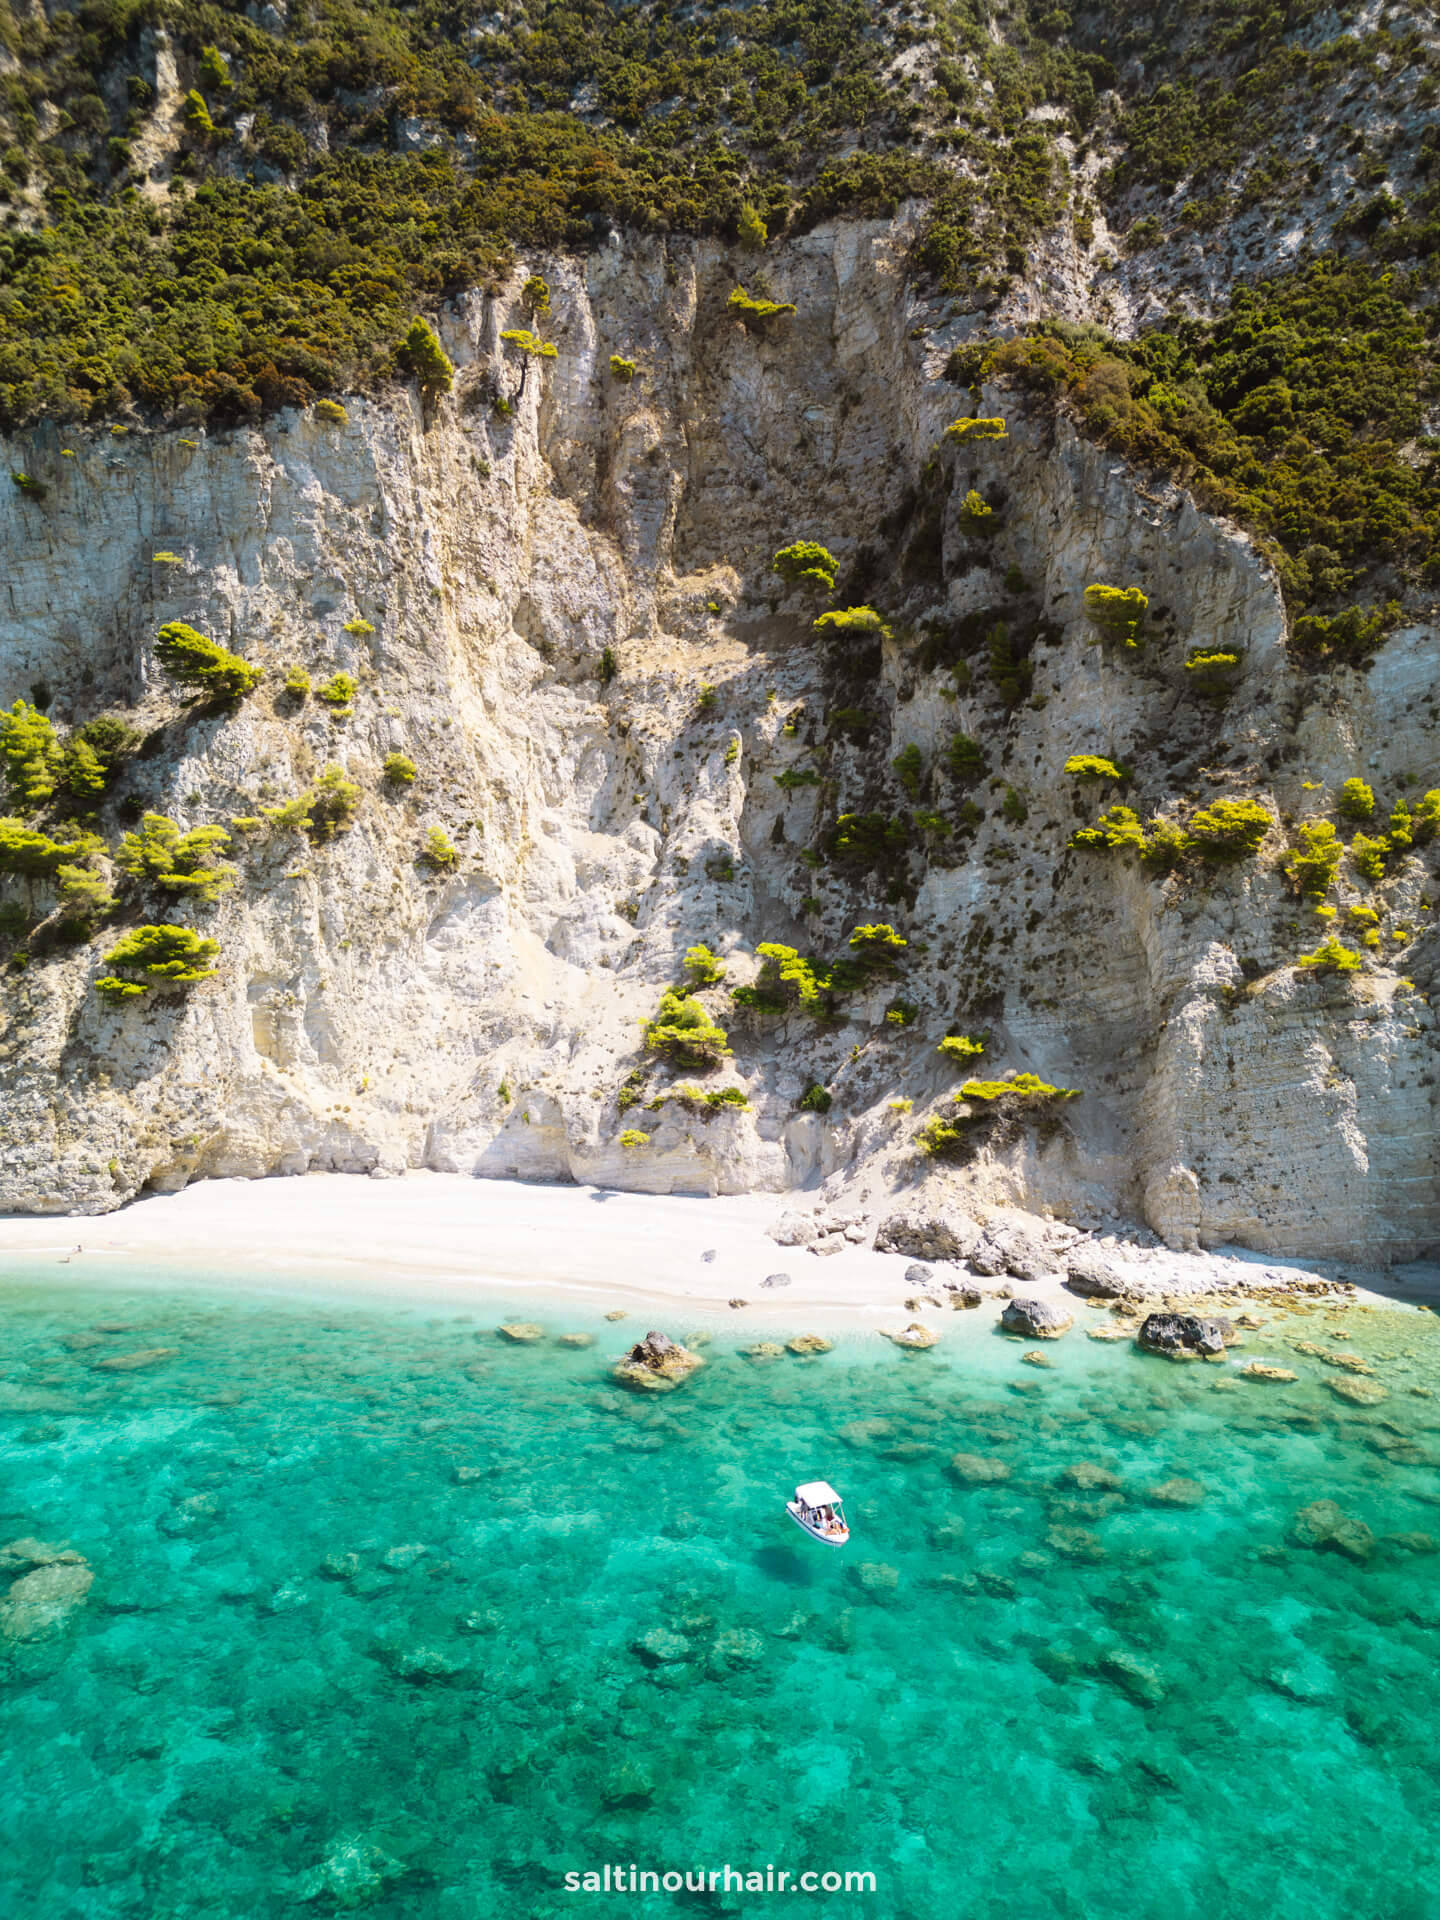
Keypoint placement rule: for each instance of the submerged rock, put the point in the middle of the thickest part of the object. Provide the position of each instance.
(522, 1332)
(42, 1601)
(1143, 1684)
(657, 1364)
(977, 1470)
(628, 1786)
(765, 1350)
(1329, 1529)
(1258, 1370)
(1091, 1477)
(576, 1339)
(804, 1343)
(660, 1647)
(1036, 1319)
(20, 1555)
(737, 1648)
(1176, 1493)
(136, 1362)
(1360, 1393)
(353, 1873)
(1035, 1358)
(617, 1313)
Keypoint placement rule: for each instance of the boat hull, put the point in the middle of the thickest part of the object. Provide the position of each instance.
(825, 1539)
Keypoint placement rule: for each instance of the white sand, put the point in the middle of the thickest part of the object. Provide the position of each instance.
(459, 1241)
(446, 1237)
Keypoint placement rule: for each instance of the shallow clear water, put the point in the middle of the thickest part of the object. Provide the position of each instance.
(369, 1585)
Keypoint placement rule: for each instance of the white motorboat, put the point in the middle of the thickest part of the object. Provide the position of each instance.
(817, 1510)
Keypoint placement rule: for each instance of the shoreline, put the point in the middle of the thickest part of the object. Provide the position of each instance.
(457, 1240)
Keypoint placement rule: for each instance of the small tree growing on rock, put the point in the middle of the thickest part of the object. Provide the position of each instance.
(1117, 612)
(193, 661)
(163, 956)
(805, 563)
(422, 355)
(683, 1032)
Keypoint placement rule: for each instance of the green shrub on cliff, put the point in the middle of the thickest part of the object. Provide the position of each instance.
(161, 855)
(400, 770)
(422, 355)
(845, 623)
(1356, 801)
(1093, 766)
(965, 432)
(163, 956)
(960, 1047)
(1368, 854)
(33, 756)
(909, 764)
(702, 967)
(338, 692)
(1228, 829)
(806, 563)
(1315, 859)
(966, 760)
(25, 850)
(439, 852)
(1117, 612)
(193, 661)
(1331, 956)
(683, 1032)
(758, 315)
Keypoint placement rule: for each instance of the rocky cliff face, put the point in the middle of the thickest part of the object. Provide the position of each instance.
(371, 1015)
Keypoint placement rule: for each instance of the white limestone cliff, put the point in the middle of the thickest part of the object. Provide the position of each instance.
(370, 1015)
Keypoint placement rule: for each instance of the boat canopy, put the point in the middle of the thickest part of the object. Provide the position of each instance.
(819, 1493)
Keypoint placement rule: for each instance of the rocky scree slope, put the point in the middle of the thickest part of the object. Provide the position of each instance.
(558, 601)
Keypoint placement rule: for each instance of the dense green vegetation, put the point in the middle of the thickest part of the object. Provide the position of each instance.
(283, 252)
(1300, 411)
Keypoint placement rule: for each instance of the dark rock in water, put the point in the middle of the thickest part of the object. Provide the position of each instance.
(657, 1363)
(1184, 1336)
(1329, 1529)
(1036, 1319)
(926, 1236)
(919, 1275)
(776, 1280)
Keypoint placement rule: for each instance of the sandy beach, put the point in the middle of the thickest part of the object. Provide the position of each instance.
(447, 1238)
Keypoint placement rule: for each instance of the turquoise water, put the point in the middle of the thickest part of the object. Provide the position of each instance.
(369, 1586)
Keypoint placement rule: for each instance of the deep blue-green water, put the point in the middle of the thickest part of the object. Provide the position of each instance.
(390, 1614)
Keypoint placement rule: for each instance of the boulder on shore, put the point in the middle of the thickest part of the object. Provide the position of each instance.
(926, 1236)
(1184, 1336)
(1090, 1275)
(657, 1364)
(1035, 1319)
